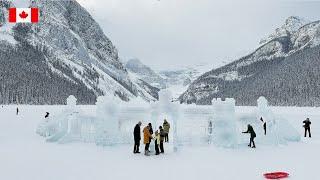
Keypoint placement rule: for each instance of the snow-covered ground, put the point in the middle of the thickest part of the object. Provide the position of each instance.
(25, 155)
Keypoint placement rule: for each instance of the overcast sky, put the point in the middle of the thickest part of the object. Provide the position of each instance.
(174, 33)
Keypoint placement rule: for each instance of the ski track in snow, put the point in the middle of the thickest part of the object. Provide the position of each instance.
(24, 155)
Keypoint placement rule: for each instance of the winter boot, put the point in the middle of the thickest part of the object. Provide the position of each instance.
(146, 153)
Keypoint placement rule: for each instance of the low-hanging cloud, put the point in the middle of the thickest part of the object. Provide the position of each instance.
(172, 33)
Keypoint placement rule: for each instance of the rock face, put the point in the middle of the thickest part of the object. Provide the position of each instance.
(284, 69)
(65, 53)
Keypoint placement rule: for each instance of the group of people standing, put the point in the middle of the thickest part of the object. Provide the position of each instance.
(159, 136)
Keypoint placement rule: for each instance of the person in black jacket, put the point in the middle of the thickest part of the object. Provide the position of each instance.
(47, 115)
(137, 137)
(252, 135)
(151, 132)
(162, 135)
(264, 126)
(306, 126)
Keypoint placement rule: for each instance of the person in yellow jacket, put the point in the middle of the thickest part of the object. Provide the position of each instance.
(146, 139)
(156, 142)
(166, 128)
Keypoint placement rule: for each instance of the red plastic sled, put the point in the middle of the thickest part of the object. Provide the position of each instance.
(276, 175)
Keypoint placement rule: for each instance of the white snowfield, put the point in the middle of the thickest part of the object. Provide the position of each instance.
(24, 155)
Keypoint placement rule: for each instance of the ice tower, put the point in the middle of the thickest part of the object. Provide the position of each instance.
(169, 108)
(225, 132)
(107, 120)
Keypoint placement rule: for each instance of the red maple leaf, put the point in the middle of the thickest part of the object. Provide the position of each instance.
(23, 15)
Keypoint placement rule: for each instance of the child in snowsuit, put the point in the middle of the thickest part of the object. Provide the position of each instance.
(156, 142)
(306, 126)
(162, 135)
(252, 135)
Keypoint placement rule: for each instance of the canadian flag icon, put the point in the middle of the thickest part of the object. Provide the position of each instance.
(23, 15)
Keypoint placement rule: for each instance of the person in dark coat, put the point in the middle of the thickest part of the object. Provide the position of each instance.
(264, 126)
(47, 115)
(137, 137)
(17, 111)
(150, 130)
(162, 136)
(306, 126)
(252, 135)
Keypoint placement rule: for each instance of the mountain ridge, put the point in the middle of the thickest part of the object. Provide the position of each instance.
(71, 46)
(236, 78)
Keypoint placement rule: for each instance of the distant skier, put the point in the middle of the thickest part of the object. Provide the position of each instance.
(306, 126)
(162, 136)
(137, 137)
(156, 142)
(17, 111)
(264, 126)
(47, 115)
(166, 128)
(252, 135)
(146, 139)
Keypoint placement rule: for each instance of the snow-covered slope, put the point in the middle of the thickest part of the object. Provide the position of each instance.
(70, 55)
(284, 69)
(139, 70)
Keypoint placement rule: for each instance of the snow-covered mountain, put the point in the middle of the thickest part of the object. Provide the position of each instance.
(176, 80)
(285, 69)
(65, 53)
(291, 25)
(183, 75)
(139, 70)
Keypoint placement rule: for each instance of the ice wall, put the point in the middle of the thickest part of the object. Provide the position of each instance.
(279, 130)
(225, 133)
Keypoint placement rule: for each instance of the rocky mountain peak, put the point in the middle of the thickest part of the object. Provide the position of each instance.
(291, 25)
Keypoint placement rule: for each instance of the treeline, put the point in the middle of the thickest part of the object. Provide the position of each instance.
(290, 81)
(25, 78)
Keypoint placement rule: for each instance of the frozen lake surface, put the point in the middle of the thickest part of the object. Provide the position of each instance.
(26, 155)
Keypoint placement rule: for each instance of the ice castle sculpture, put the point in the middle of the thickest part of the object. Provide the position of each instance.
(113, 122)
